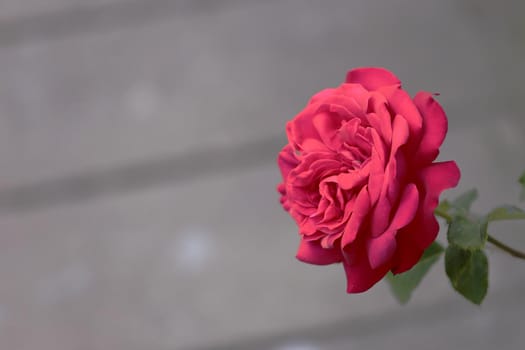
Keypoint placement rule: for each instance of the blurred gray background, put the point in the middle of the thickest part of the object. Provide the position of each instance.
(137, 170)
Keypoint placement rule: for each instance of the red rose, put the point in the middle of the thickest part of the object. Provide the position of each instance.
(359, 178)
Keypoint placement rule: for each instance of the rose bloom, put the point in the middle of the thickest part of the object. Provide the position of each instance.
(359, 176)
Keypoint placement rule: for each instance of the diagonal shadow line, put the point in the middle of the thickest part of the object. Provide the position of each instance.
(175, 169)
(88, 19)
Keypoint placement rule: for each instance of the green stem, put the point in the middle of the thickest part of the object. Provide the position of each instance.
(515, 253)
(443, 214)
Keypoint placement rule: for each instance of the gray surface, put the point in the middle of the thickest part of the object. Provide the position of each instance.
(137, 201)
(103, 99)
(13, 10)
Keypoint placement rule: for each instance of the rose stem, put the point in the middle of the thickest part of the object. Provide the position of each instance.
(515, 253)
(444, 215)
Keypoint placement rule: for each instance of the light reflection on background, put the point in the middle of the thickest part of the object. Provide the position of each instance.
(192, 249)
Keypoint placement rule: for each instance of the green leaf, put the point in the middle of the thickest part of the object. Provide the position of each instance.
(468, 272)
(403, 284)
(464, 201)
(468, 231)
(506, 212)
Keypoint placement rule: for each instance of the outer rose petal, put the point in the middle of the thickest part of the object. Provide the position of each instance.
(420, 233)
(311, 252)
(407, 253)
(401, 103)
(360, 276)
(381, 249)
(436, 178)
(358, 93)
(408, 206)
(360, 211)
(286, 161)
(301, 128)
(372, 78)
(435, 126)
(322, 94)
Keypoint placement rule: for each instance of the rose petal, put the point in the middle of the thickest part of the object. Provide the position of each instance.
(378, 106)
(407, 253)
(313, 145)
(307, 227)
(387, 198)
(353, 178)
(396, 174)
(359, 274)
(318, 97)
(375, 181)
(380, 215)
(327, 124)
(328, 242)
(343, 107)
(358, 94)
(331, 213)
(401, 103)
(301, 128)
(311, 252)
(407, 208)
(436, 178)
(382, 124)
(372, 78)
(413, 239)
(435, 126)
(360, 211)
(381, 249)
(378, 146)
(400, 133)
(286, 161)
